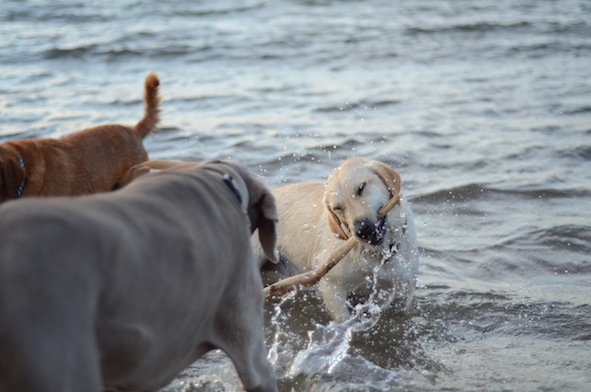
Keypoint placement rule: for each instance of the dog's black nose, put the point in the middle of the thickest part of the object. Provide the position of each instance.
(370, 232)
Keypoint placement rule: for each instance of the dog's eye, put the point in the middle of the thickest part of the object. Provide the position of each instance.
(337, 209)
(360, 189)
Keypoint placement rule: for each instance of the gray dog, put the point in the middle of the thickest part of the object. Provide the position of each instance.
(124, 290)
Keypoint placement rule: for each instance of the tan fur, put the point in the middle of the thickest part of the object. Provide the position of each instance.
(335, 225)
(89, 161)
(389, 177)
(315, 218)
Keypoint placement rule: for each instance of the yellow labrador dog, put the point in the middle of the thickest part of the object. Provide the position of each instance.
(314, 219)
(124, 290)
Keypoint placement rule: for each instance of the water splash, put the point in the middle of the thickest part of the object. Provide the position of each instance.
(327, 355)
(277, 352)
(212, 373)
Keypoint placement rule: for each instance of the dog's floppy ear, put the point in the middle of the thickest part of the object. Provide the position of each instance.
(261, 207)
(388, 176)
(12, 176)
(334, 224)
(263, 216)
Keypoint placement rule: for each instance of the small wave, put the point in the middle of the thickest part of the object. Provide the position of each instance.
(459, 193)
(550, 320)
(364, 105)
(113, 52)
(80, 51)
(534, 256)
(579, 110)
(476, 191)
(574, 238)
(346, 144)
(499, 313)
(221, 10)
(582, 153)
(52, 14)
(550, 48)
(580, 28)
(313, 157)
(469, 28)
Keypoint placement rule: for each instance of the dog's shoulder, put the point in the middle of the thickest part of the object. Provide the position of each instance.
(300, 195)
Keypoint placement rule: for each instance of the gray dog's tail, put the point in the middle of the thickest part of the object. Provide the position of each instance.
(151, 112)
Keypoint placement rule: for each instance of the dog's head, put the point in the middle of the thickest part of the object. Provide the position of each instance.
(12, 173)
(259, 203)
(354, 194)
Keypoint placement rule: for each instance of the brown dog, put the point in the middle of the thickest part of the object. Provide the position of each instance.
(89, 161)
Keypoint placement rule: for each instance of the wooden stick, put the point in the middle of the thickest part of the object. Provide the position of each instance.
(307, 279)
(393, 202)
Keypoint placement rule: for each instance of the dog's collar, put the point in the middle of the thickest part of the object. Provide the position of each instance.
(229, 181)
(21, 187)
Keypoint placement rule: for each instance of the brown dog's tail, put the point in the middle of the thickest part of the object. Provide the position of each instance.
(151, 113)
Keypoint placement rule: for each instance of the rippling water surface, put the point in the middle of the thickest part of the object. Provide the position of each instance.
(483, 106)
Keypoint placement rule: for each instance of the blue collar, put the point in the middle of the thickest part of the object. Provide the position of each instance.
(21, 187)
(229, 181)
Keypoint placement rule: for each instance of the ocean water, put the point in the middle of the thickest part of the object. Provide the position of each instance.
(484, 108)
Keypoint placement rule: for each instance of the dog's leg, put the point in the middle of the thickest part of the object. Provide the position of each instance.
(242, 336)
(43, 359)
(335, 300)
(254, 369)
(244, 343)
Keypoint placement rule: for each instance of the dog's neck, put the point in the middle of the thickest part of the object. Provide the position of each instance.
(394, 247)
(229, 181)
(21, 187)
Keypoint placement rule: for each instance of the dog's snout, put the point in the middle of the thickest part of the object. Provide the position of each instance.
(370, 232)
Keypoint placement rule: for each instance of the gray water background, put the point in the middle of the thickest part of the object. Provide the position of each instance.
(483, 106)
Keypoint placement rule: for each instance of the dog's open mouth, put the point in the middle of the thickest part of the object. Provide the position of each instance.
(370, 232)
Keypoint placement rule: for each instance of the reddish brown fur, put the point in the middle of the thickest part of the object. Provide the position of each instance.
(89, 161)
